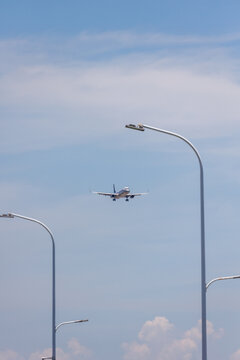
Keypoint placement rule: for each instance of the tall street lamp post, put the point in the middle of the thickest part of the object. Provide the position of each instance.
(11, 216)
(142, 127)
(54, 327)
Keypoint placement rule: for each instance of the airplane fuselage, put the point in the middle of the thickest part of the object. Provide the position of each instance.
(120, 194)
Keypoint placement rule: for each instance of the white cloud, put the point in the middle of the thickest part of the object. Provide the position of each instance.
(47, 104)
(183, 349)
(152, 330)
(215, 334)
(60, 354)
(135, 351)
(236, 355)
(78, 349)
(158, 342)
(10, 355)
(152, 346)
(195, 332)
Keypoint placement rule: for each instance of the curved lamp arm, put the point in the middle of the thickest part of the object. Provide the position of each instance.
(222, 278)
(69, 322)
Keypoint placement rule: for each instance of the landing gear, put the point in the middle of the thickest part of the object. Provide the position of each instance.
(127, 199)
(113, 199)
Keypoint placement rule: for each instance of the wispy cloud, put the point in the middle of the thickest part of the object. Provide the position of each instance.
(47, 103)
(131, 39)
(89, 43)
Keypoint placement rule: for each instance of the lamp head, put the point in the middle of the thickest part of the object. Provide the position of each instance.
(79, 321)
(135, 127)
(9, 216)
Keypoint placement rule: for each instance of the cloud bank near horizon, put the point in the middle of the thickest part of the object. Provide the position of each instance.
(157, 340)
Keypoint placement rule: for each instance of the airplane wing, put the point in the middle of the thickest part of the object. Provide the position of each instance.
(102, 193)
(133, 195)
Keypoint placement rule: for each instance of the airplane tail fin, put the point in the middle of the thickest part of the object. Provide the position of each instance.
(114, 190)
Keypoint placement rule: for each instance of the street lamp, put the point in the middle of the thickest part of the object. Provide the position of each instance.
(58, 326)
(54, 327)
(142, 127)
(232, 277)
(11, 216)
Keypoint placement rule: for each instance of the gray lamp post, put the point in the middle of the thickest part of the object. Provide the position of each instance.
(141, 127)
(54, 327)
(11, 216)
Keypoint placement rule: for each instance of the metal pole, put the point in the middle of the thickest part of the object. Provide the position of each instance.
(203, 264)
(12, 215)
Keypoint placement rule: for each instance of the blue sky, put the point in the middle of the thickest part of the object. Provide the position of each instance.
(172, 17)
(72, 75)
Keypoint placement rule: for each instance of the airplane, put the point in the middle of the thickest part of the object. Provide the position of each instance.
(123, 193)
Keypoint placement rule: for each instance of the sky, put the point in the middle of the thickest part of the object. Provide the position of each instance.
(73, 73)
